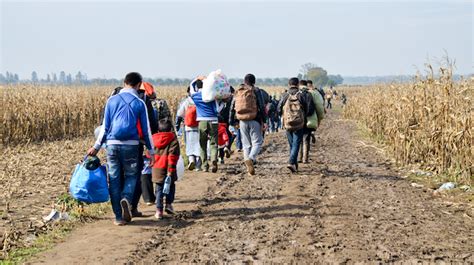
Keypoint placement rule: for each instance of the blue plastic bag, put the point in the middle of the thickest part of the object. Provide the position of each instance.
(89, 186)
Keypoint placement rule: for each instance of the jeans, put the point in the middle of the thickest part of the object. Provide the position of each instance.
(147, 188)
(208, 129)
(294, 140)
(273, 124)
(160, 195)
(123, 174)
(252, 139)
(238, 140)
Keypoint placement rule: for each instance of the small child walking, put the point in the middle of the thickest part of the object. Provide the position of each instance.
(148, 193)
(166, 156)
(222, 141)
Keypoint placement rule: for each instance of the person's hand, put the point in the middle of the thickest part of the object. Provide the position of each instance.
(152, 160)
(92, 151)
(264, 127)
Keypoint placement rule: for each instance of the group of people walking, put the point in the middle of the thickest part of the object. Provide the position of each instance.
(142, 144)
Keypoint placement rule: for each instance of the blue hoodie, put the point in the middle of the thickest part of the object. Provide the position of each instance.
(120, 125)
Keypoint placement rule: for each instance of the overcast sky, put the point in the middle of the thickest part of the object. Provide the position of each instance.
(270, 39)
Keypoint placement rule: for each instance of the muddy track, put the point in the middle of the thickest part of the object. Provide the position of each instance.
(347, 205)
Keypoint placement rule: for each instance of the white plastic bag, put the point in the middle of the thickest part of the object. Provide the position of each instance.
(180, 168)
(215, 86)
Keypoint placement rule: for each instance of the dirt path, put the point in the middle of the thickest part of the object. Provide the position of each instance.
(348, 205)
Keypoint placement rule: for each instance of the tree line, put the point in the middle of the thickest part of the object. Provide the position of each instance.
(317, 74)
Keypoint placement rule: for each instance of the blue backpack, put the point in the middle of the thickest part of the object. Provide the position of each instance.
(125, 123)
(89, 186)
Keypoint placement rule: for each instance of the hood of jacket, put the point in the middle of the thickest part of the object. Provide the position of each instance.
(162, 139)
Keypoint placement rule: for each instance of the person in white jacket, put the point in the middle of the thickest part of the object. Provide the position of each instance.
(187, 114)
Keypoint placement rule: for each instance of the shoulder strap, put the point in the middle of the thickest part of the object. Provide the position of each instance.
(126, 101)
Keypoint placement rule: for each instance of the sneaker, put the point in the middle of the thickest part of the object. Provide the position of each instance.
(119, 222)
(198, 169)
(206, 168)
(292, 168)
(149, 204)
(239, 150)
(227, 152)
(169, 209)
(214, 167)
(126, 213)
(191, 166)
(136, 213)
(250, 168)
(159, 214)
(305, 162)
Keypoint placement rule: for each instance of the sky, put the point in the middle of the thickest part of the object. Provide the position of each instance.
(270, 39)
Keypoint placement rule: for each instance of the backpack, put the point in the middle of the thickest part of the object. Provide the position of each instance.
(125, 122)
(191, 116)
(162, 111)
(245, 103)
(293, 116)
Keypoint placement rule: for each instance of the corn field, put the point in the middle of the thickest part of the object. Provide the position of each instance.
(38, 113)
(428, 122)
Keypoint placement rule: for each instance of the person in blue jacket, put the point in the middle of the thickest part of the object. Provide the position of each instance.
(207, 116)
(124, 112)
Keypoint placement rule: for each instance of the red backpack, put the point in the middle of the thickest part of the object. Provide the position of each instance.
(191, 116)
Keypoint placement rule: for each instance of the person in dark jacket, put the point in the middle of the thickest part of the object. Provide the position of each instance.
(273, 114)
(122, 114)
(321, 91)
(251, 131)
(295, 136)
(223, 117)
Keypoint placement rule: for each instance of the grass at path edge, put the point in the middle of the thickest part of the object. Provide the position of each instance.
(79, 214)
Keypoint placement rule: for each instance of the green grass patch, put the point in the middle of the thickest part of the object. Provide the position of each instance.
(78, 212)
(42, 242)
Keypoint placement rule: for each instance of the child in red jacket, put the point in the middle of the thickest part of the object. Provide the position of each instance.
(166, 157)
(222, 140)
